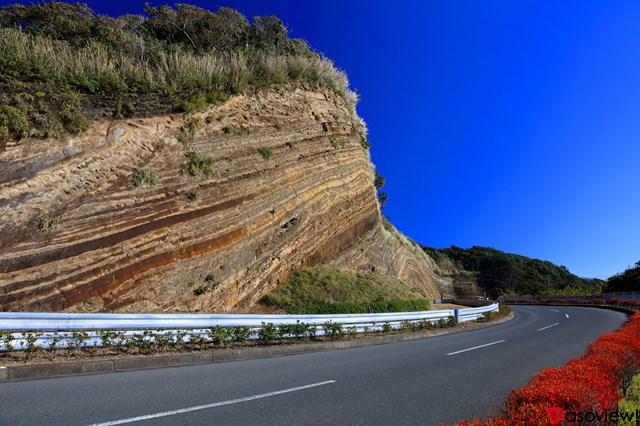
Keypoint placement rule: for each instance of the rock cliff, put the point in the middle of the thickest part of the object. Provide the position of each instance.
(137, 214)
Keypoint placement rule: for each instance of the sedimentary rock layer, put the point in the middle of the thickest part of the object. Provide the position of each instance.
(292, 187)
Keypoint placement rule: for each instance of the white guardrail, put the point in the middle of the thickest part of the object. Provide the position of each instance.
(59, 327)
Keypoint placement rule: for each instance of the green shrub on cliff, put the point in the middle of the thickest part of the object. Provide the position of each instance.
(144, 177)
(198, 164)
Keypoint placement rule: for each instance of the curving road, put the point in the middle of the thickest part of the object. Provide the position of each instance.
(426, 381)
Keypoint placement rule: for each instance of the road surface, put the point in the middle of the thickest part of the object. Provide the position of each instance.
(429, 381)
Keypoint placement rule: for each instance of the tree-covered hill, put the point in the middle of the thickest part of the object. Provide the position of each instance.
(628, 280)
(499, 273)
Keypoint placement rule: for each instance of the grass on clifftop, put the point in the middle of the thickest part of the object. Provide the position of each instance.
(59, 61)
(322, 290)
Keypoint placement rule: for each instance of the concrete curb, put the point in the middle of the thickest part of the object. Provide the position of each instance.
(39, 371)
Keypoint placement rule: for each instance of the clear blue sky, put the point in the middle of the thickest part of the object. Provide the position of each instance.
(509, 124)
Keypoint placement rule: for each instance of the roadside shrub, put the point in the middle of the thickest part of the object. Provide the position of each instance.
(28, 344)
(241, 334)
(451, 321)
(486, 316)
(107, 339)
(179, 339)
(298, 331)
(268, 333)
(220, 336)
(6, 339)
(53, 344)
(351, 331)
(332, 330)
(631, 401)
(197, 341)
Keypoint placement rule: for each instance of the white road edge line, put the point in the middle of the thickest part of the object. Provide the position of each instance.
(566, 315)
(549, 326)
(215, 404)
(476, 347)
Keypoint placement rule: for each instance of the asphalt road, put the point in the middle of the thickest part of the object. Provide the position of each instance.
(441, 379)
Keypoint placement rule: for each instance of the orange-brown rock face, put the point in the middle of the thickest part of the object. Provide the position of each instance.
(292, 187)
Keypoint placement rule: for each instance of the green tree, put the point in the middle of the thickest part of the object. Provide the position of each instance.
(379, 180)
(629, 280)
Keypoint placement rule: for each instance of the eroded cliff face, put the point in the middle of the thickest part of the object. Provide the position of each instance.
(292, 188)
(385, 250)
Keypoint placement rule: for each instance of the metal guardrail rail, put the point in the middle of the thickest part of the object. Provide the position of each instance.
(60, 326)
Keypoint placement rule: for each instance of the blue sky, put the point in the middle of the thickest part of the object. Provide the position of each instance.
(513, 125)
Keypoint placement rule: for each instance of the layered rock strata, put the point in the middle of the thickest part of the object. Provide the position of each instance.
(115, 220)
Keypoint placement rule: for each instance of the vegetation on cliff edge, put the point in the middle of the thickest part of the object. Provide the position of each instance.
(60, 61)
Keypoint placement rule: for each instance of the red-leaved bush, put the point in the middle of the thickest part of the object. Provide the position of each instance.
(589, 383)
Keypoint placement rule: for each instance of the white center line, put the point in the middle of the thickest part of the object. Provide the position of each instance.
(215, 404)
(566, 315)
(476, 347)
(549, 326)
(555, 310)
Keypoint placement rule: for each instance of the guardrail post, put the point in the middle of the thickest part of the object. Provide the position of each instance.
(456, 313)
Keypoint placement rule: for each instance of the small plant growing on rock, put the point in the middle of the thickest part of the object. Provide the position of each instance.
(211, 283)
(265, 152)
(198, 164)
(144, 177)
(191, 196)
(203, 289)
(48, 224)
(191, 124)
(337, 143)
